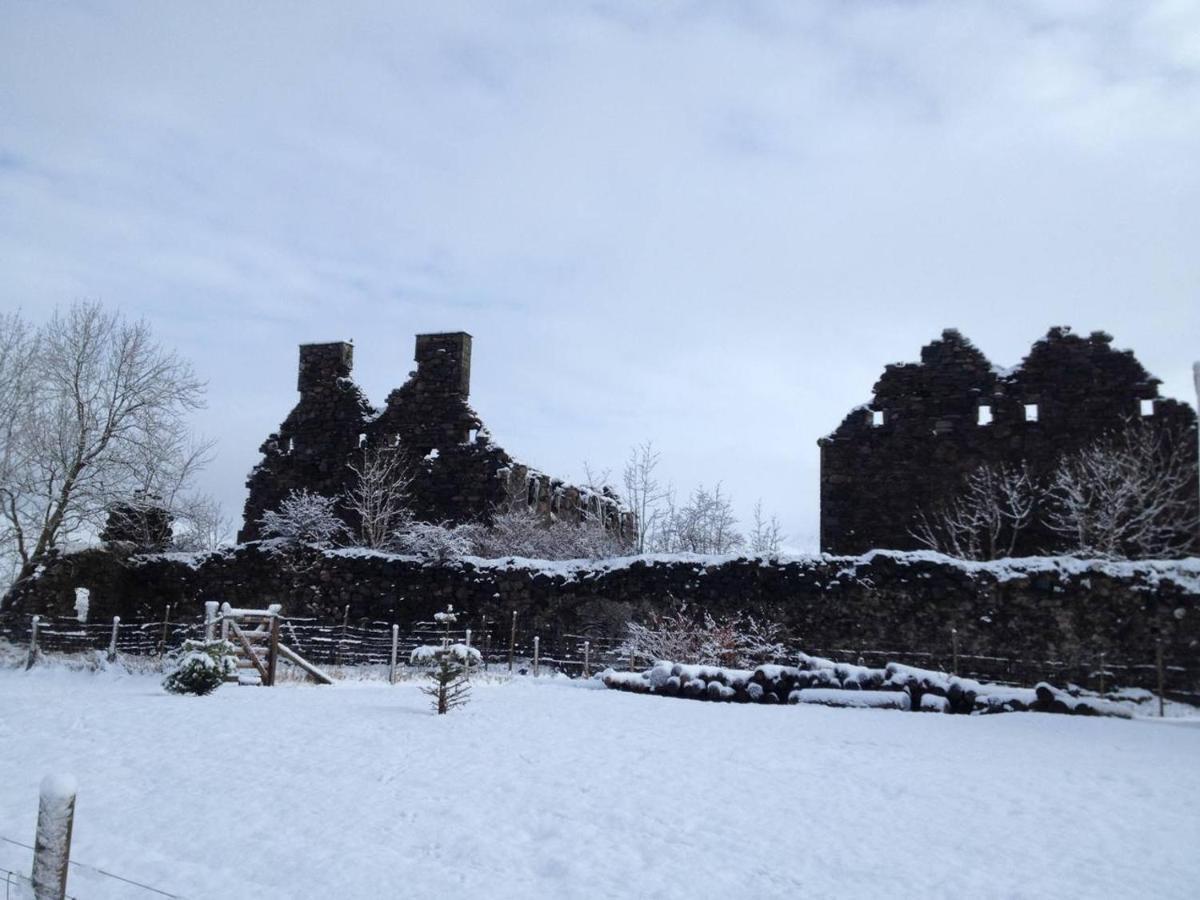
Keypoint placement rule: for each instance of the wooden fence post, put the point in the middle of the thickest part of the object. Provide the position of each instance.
(226, 615)
(512, 641)
(467, 661)
(1102, 673)
(273, 652)
(587, 659)
(52, 845)
(162, 647)
(392, 666)
(536, 655)
(954, 646)
(1158, 662)
(33, 638)
(112, 643)
(337, 660)
(210, 618)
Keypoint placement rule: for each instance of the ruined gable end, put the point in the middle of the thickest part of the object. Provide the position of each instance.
(929, 424)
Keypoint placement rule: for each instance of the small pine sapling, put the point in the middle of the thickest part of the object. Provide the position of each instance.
(201, 667)
(450, 687)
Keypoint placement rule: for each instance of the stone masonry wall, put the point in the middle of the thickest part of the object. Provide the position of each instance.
(921, 434)
(900, 605)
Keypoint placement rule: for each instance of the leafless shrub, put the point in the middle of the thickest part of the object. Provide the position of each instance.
(986, 518)
(679, 635)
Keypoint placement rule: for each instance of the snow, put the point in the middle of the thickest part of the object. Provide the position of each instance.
(58, 790)
(545, 787)
(83, 599)
(859, 699)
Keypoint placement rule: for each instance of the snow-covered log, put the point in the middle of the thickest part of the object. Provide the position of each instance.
(858, 699)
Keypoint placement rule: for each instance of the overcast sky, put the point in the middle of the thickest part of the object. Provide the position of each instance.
(709, 225)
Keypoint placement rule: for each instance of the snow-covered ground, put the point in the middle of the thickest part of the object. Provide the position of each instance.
(551, 788)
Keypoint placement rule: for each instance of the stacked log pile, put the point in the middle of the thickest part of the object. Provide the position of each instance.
(821, 681)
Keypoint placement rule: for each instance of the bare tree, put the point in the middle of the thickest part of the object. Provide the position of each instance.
(643, 492)
(379, 496)
(767, 535)
(1130, 494)
(94, 409)
(305, 518)
(202, 524)
(986, 518)
(706, 524)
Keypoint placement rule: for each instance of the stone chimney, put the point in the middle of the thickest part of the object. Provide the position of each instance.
(444, 363)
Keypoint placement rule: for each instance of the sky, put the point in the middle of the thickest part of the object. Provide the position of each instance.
(708, 225)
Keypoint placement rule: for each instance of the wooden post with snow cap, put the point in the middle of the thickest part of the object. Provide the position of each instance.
(52, 845)
(954, 648)
(392, 665)
(512, 641)
(112, 642)
(587, 659)
(536, 654)
(34, 623)
(273, 646)
(226, 615)
(210, 618)
(467, 655)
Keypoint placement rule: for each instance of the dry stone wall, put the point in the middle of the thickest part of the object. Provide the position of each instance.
(884, 606)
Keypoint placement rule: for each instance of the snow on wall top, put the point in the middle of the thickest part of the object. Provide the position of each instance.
(1185, 573)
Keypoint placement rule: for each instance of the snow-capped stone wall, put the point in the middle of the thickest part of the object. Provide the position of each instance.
(1056, 617)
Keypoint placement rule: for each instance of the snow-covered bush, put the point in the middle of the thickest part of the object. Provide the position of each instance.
(201, 667)
(680, 636)
(440, 541)
(306, 518)
(523, 531)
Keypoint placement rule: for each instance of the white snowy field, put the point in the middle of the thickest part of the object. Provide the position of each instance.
(551, 788)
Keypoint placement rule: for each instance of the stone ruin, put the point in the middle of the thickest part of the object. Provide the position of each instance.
(931, 423)
(461, 476)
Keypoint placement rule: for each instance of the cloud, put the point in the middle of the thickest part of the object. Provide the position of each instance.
(706, 224)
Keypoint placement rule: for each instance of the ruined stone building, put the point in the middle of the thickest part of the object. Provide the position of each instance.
(931, 423)
(461, 475)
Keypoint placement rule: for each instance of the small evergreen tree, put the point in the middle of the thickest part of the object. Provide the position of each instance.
(201, 667)
(450, 687)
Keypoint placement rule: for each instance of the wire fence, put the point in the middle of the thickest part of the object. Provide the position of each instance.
(505, 645)
(333, 644)
(19, 887)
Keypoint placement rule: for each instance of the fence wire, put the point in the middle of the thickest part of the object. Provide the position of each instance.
(369, 643)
